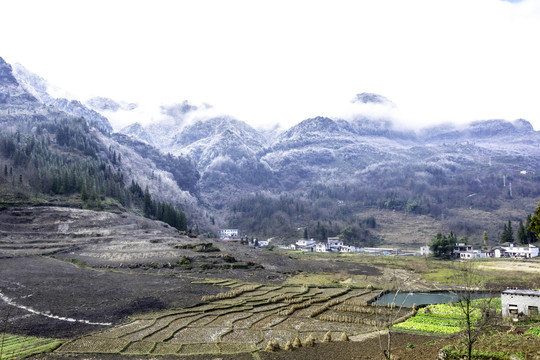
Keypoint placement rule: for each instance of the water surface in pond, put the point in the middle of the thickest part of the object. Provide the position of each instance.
(425, 298)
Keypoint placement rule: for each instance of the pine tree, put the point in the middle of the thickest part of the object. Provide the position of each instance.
(521, 237)
(507, 235)
(510, 235)
(147, 202)
(502, 238)
(534, 226)
(485, 236)
(531, 236)
(84, 192)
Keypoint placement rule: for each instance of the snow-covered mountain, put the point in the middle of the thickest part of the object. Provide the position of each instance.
(363, 161)
(40, 89)
(231, 155)
(25, 103)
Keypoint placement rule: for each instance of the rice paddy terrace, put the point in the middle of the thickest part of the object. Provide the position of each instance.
(245, 318)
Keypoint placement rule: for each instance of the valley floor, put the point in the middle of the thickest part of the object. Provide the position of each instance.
(74, 275)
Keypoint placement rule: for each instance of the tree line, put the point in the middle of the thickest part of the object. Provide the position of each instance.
(62, 157)
(443, 245)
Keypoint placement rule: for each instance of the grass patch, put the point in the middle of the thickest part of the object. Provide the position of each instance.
(534, 330)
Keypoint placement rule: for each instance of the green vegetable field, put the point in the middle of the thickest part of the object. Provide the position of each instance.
(442, 318)
(17, 347)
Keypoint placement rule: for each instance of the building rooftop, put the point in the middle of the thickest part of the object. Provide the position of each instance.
(522, 292)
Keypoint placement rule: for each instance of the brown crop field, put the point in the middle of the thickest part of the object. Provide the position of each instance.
(243, 319)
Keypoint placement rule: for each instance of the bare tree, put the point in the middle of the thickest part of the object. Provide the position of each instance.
(477, 315)
(389, 317)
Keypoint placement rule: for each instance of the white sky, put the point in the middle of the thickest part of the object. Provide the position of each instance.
(283, 61)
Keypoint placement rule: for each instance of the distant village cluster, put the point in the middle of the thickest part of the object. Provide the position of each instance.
(336, 245)
(505, 250)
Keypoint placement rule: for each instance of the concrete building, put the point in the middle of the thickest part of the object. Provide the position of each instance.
(348, 249)
(515, 251)
(227, 234)
(304, 242)
(304, 245)
(519, 304)
(321, 247)
(425, 250)
(473, 254)
(335, 243)
(461, 248)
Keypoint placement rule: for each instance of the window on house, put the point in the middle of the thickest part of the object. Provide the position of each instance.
(512, 309)
(533, 310)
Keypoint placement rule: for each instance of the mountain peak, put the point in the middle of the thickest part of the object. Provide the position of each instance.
(6, 74)
(11, 90)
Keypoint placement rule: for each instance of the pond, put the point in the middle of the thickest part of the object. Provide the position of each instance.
(425, 298)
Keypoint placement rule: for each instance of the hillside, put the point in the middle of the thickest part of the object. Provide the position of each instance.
(362, 177)
(335, 173)
(55, 154)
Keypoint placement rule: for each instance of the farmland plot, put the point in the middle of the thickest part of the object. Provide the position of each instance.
(16, 347)
(243, 318)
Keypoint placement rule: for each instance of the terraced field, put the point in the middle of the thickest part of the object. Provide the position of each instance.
(16, 347)
(244, 318)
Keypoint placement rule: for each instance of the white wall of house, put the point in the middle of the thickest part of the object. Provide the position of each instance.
(523, 251)
(304, 242)
(474, 254)
(321, 247)
(228, 233)
(516, 302)
(424, 250)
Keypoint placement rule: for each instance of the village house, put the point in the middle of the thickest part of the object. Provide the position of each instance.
(304, 245)
(335, 244)
(348, 249)
(425, 250)
(227, 234)
(473, 254)
(321, 247)
(515, 251)
(520, 304)
(461, 248)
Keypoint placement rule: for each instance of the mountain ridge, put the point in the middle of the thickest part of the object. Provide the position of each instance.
(326, 173)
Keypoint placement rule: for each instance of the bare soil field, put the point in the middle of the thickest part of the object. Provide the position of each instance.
(117, 286)
(530, 266)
